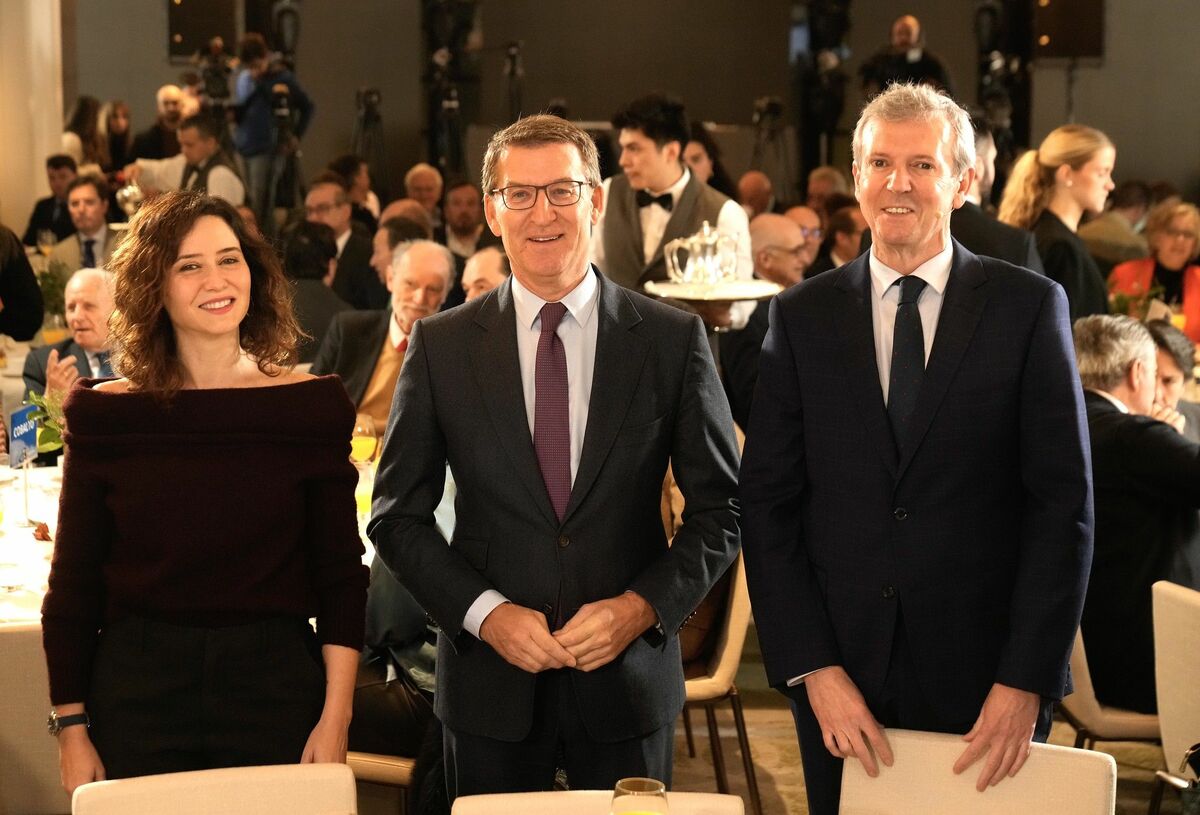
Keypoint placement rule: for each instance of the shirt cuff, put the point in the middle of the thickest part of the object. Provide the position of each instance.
(483, 606)
(799, 680)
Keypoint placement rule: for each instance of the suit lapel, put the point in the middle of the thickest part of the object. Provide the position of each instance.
(497, 370)
(860, 364)
(961, 308)
(620, 356)
(81, 359)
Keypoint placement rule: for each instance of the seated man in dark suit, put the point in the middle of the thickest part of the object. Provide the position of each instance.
(310, 260)
(54, 368)
(1146, 477)
(779, 248)
(327, 202)
(846, 228)
(366, 348)
(463, 232)
(981, 232)
(52, 212)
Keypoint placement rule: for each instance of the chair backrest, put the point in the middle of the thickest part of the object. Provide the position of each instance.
(297, 789)
(589, 802)
(29, 779)
(727, 655)
(1082, 703)
(1177, 668)
(921, 781)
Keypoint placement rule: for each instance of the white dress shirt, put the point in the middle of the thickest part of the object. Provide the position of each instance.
(885, 297)
(463, 247)
(731, 220)
(577, 330)
(341, 241)
(167, 174)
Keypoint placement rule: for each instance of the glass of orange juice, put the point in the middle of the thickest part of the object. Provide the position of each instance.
(639, 796)
(364, 442)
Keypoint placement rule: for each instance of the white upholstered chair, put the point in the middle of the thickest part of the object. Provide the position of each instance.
(1095, 722)
(1061, 780)
(390, 771)
(716, 684)
(1177, 678)
(297, 789)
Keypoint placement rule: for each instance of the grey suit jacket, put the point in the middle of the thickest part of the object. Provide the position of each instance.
(70, 252)
(655, 398)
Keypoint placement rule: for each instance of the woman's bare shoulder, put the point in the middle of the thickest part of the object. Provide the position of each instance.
(113, 385)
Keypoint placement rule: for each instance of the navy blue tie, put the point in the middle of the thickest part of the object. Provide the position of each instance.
(89, 253)
(908, 361)
(103, 364)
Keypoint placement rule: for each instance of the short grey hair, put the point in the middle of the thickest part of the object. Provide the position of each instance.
(444, 254)
(538, 131)
(1106, 345)
(906, 102)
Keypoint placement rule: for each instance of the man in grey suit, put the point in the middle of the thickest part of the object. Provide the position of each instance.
(94, 240)
(558, 400)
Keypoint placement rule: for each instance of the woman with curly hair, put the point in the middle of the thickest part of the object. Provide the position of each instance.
(1048, 192)
(207, 512)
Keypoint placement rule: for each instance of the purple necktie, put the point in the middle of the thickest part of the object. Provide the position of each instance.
(551, 410)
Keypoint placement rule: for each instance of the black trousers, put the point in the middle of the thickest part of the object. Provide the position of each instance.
(168, 698)
(901, 704)
(558, 739)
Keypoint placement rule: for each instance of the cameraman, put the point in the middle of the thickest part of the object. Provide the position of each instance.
(255, 134)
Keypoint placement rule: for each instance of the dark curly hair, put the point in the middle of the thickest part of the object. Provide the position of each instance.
(143, 336)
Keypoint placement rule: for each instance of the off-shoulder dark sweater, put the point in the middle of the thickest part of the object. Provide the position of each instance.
(223, 507)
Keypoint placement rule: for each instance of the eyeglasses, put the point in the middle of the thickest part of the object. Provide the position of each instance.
(795, 251)
(524, 196)
(814, 232)
(1179, 233)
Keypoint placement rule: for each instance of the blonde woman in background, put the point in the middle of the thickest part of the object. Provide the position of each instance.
(1050, 189)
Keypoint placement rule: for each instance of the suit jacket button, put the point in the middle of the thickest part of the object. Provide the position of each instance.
(900, 513)
(563, 541)
(888, 592)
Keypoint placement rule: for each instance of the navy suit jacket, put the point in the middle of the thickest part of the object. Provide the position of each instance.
(655, 398)
(981, 532)
(38, 361)
(351, 349)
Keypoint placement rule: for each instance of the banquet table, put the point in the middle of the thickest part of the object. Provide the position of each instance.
(29, 783)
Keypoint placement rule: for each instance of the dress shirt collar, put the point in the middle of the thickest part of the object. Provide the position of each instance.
(580, 301)
(1121, 406)
(395, 332)
(935, 271)
(675, 189)
(341, 241)
(98, 236)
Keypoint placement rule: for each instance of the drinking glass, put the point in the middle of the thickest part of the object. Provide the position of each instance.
(364, 442)
(46, 239)
(639, 796)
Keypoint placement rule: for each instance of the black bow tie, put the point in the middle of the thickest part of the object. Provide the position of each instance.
(645, 199)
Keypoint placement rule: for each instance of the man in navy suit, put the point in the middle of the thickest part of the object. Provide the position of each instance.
(55, 367)
(917, 513)
(557, 400)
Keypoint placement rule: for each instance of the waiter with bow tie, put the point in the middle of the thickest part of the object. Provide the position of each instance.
(201, 165)
(657, 199)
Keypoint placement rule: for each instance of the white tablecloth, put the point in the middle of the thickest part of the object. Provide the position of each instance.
(25, 562)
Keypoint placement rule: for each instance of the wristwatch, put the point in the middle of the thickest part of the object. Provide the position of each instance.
(56, 723)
